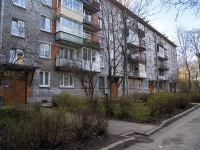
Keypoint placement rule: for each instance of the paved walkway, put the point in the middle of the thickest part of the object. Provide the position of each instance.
(117, 127)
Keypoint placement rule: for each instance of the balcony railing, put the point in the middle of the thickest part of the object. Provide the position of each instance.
(136, 59)
(163, 67)
(91, 44)
(93, 24)
(69, 38)
(91, 5)
(162, 78)
(137, 74)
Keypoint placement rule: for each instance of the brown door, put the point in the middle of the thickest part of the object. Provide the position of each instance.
(114, 89)
(151, 88)
(15, 92)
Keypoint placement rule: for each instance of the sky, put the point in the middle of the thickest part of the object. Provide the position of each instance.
(165, 22)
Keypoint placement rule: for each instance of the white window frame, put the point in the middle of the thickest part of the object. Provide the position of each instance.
(15, 30)
(72, 6)
(102, 65)
(43, 79)
(47, 2)
(20, 3)
(42, 46)
(45, 24)
(66, 85)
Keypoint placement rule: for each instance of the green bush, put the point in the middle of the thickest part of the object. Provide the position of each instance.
(116, 109)
(195, 97)
(182, 100)
(161, 103)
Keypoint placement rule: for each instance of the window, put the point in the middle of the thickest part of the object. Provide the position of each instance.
(21, 3)
(18, 28)
(101, 82)
(45, 24)
(87, 16)
(71, 27)
(73, 5)
(131, 83)
(89, 55)
(100, 20)
(47, 2)
(66, 80)
(139, 83)
(101, 61)
(45, 50)
(44, 79)
(16, 56)
(66, 53)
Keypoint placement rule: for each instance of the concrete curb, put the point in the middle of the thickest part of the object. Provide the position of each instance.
(120, 144)
(129, 141)
(169, 121)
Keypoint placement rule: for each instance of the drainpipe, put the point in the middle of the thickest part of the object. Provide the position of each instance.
(157, 71)
(1, 26)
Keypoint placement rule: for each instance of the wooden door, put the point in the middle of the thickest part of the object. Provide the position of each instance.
(114, 89)
(15, 92)
(151, 88)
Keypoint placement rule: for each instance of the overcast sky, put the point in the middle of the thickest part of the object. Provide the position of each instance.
(165, 22)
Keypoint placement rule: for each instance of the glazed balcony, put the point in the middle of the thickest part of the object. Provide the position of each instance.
(64, 38)
(91, 44)
(91, 5)
(90, 25)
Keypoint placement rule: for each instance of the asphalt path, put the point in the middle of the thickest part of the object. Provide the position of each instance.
(183, 134)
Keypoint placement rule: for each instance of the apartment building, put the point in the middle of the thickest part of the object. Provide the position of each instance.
(42, 43)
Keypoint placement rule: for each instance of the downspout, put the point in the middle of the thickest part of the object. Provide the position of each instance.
(1, 26)
(157, 71)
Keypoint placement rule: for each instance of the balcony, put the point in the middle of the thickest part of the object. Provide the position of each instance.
(67, 64)
(64, 11)
(163, 67)
(64, 38)
(90, 25)
(138, 74)
(138, 47)
(141, 33)
(91, 5)
(162, 56)
(91, 44)
(162, 78)
(136, 59)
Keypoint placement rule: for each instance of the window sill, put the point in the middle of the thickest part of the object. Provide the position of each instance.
(18, 36)
(45, 58)
(19, 6)
(45, 31)
(66, 87)
(44, 86)
(102, 67)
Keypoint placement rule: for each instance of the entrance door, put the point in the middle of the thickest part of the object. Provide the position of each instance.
(114, 89)
(151, 88)
(15, 92)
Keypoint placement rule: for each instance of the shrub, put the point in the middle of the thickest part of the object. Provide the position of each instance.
(181, 100)
(161, 103)
(116, 109)
(195, 97)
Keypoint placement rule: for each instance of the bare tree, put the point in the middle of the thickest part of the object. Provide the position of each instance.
(185, 52)
(182, 5)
